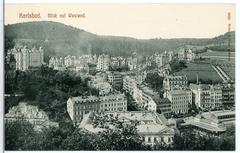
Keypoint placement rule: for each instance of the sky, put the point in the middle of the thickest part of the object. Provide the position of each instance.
(142, 21)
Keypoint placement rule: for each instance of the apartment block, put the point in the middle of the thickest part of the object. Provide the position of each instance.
(78, 106)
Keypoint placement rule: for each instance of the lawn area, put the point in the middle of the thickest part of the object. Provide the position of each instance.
(218, 53)
(204, 70)
(230, 71)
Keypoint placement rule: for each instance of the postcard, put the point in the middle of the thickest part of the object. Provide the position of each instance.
(119, 77)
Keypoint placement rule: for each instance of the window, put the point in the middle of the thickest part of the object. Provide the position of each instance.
(155, 139)
(149, 139)
(169, 139)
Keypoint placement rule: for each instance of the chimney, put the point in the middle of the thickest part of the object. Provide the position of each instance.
(197, 77)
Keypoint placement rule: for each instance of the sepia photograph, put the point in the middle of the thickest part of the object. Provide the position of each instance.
(119, 77)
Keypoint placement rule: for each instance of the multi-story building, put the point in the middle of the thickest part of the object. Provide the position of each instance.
(27, 58)
(115, 79)
(84, 63)
(163, 58)
(226, 117)
(172, 81)
(57, 63)
(144, 97)
(186, 54)
(11, 64)
(129, 84)
(180, 99)
(103, 87)
(153, 128)
(228, 95)
(132, 61)
(69, 60)
(164, 71)
(148, 61)
(85, 59)
(118, 62)
(206, 95)
(51, 62)
(103, 62)
(113, 102)
(141, 76)
(82, 68)
(78, 106)
(92, 68)
(181, 54)
(164, 106)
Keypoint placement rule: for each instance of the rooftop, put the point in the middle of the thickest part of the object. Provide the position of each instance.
(179, 91)
(177, 77)
(150, 123)
(204, 86)
(147, 90)
(162, 101)
(218, 113)
(205, 125)
(83, 99)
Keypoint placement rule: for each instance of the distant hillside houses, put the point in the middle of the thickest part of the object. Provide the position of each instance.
(74, 63)
(187, 54)
(103, 62)
(118, 61)
(163, 59)
(26, 58)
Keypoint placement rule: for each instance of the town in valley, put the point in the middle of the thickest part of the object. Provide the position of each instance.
(176, 99)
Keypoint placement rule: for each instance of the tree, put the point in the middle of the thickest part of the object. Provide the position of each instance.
(177, 65)
(79, 140)
(18, 134)
(155, 81)
(117, 135)
(191, 140)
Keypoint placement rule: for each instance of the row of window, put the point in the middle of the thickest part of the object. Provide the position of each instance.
(116, 109)
(179, 106)
(181, 111)
(115, 99)
(114, 104)
(86, 106)
(226, 116)
(157, 139)
(96, 105)
(177, 98)
(181, 102)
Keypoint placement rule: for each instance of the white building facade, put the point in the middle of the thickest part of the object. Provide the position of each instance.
(207, 96)
(180, 100)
